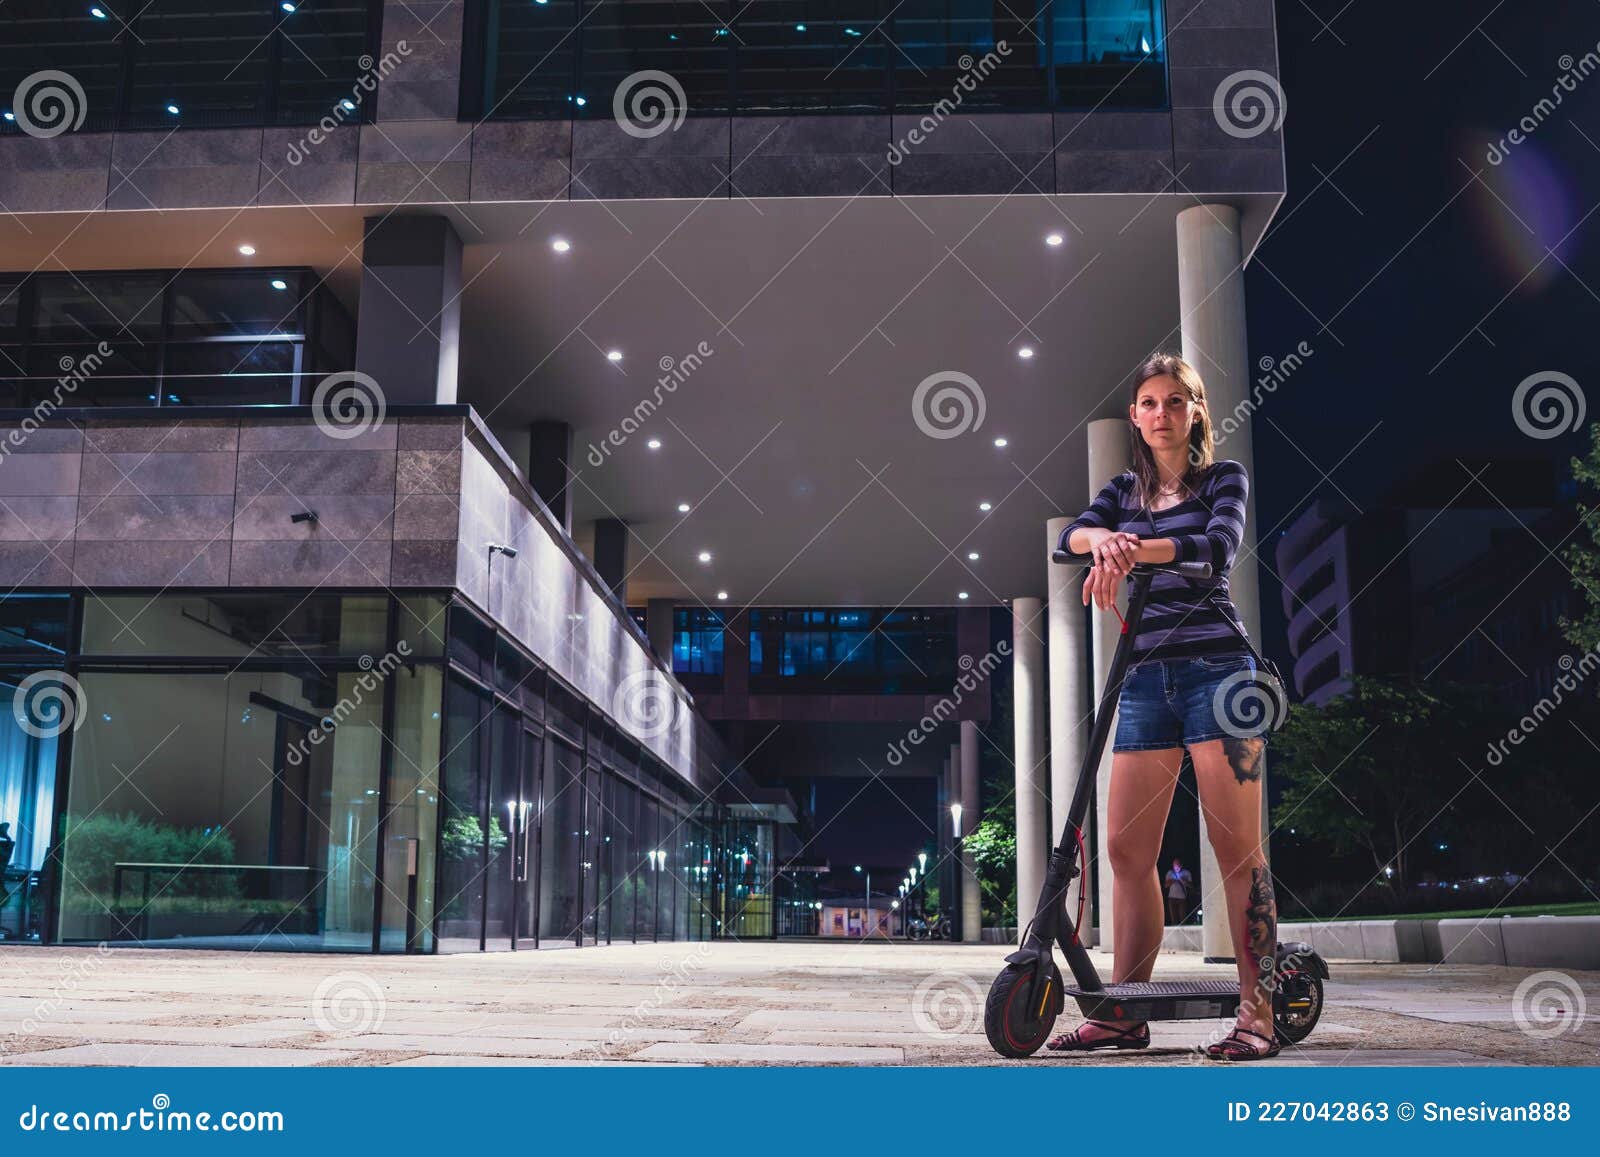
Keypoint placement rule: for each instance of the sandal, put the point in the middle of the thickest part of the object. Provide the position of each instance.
(1234, 1047)
(1136, 1037)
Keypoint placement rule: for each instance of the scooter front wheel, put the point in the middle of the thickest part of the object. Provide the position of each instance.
(1015, 1020)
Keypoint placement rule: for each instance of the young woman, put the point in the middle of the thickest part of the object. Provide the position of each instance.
(1177, 504)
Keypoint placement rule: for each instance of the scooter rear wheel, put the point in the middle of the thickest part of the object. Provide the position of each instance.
(1013, 1029)
(1296, 1006)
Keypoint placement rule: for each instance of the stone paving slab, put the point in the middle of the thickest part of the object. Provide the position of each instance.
(1368, 1058)
(177, 1034)
(417, 1043)
(208, 1056)
(770, 1053)
(467, 1061)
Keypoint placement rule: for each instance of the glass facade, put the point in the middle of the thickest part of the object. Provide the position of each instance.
(169, 338)
(160, 64)
(568, 58)
(335, 772)
(856, 649)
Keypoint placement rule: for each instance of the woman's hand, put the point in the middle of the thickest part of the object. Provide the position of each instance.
(1113, 559)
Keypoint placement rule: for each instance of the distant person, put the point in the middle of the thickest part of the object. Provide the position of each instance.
(7, 846)
(1178, 883)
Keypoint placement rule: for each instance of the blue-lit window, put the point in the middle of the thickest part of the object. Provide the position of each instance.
(855, 650)
(527, 60)
(189, 63)
(697, 641)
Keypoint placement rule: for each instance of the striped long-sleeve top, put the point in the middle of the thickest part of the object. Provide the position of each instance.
(1183, 617)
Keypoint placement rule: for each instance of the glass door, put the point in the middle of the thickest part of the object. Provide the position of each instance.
(508, 817)
(593, 863)
(525, 841)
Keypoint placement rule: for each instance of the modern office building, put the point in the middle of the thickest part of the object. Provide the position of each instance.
(368, 359)
(1448, 540)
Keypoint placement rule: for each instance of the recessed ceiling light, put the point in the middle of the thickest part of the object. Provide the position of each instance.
(173, 109)
(10, 116)
(248, 250)
(1054, 239)
(984, 506)
(961, 594)
(561, 245)
(654, 443)
(722, 595)
(348, 105)
(613, 355)
(1025, 352)
(1001, 443)
(705, 556)
(286, 6)
(972, 556)
(98, 13)
(683, 508)
(279, 283)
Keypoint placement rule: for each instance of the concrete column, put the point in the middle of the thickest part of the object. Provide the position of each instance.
(408, 325)
(1215, 342)
(971, 806)
(1109, 455)
(1032, 782)
(611, 555)
(659, 625)
(952, 790)
(1069, 697)
(941, 859)
(549, 459)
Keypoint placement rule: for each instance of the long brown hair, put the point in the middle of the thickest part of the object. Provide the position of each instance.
(1200, 439)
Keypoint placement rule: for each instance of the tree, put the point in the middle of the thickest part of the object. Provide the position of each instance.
(994, 851)
(1371, 770)
(1583, 558)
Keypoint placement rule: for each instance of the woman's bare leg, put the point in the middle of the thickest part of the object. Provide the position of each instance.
(1228, 772)
(1142, 783)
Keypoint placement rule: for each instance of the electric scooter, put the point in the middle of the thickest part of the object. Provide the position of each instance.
(1029, 994)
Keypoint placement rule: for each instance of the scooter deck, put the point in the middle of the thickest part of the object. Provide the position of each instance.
(1159, 1000)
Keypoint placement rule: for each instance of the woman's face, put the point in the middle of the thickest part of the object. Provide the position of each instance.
(1163, 412)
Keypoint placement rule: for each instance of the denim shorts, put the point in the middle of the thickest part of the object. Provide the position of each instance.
(1178, 702)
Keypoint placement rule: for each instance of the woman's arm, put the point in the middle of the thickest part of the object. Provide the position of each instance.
(1219, 544)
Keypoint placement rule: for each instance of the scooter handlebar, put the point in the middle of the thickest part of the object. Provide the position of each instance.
(1189, 570)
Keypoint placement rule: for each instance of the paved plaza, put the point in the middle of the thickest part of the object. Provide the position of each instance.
(786, 1003)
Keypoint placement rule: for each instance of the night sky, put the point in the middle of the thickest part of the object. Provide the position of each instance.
(1427, 281)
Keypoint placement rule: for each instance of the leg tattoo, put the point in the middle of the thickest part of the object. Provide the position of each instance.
(1261, 922)
(1244, 756)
